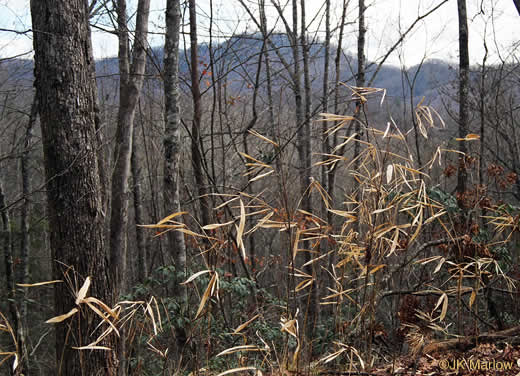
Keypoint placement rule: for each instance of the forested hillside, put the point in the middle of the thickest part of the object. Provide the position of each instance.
(267, 202)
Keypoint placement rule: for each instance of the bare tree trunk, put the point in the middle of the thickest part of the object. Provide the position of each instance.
(325, 146)
(6, 244)
(131, 82)
(66, 93)
(337, 76)
(196, 142)
(137, 180)
(172, 133)
(463, 96)
(313, 305)
(25, 236)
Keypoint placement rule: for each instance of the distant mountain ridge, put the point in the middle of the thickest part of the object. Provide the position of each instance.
(238, 57)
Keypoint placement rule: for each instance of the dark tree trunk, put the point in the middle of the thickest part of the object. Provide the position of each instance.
(196, 142)
(25, 240)
(172, 144)
(131, 82)
(140, 235)
(66, 93)
(463, 96)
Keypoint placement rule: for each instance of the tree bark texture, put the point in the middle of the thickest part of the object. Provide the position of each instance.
(172, 145)
(66, 93)
(463, 95)
(131, 82)
(140, 234)
(196, 142)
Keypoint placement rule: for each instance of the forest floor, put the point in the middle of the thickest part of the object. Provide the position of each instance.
(484, 359)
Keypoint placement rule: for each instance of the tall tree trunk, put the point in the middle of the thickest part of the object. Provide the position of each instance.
(196, 141)
(131, 82)
(6, 244)
(463, 97)
(325, 146)
(66, 93)
(25, 240)
(137, 180)
(337, 76)
(313, 302)
(172, 133)
(130, 85)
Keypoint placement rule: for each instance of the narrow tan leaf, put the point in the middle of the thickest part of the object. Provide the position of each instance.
(15, 362)
(389, 173)
(234, 370)
(472, 298)
(258, 177)
(107, 309)
(62, 317)
(191, 278)
(443, 299)
(239, 348)
(102, 316)
(382, 210)
(166, 219)
(83, 291)
(240, 229)
(469, 137)
(92, 348)
(303, 284)
(377, 268)
(244, 325)
(256, 134)
(206, 295)
(38, 284)
(439, 265)
(189, 232)
(214, 226)
(395, 241)
(257, 162)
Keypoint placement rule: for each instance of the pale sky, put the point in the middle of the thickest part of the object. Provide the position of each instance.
(435, 37)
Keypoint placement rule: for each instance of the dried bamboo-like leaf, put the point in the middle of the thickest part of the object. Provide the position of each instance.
(39, 283)
(15, 362)
(103, 317)
(439, 265)
(333, 356)
(234, 370)
(258, 177)
(239, 348)
(472, 298)
(166, 219)
(245, 325)
(93, 348)
(256, 134)
(377, 268)
(62, 317)
(303, 284)
(214, 226)
(469, 137)
(191, 278)
(240, 229)
(443, 299)
(206, 295)
(389, 173)
(83, 291)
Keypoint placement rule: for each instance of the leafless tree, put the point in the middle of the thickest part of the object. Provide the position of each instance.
(66, 94)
